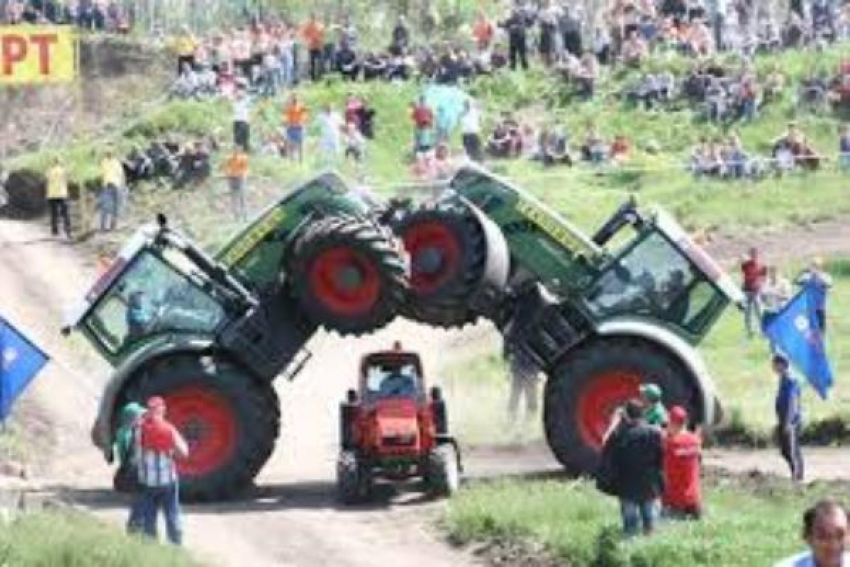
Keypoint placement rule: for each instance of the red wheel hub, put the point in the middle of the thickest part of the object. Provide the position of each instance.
(598, 400)
(345, 280)
(206, 420)
(435, 255)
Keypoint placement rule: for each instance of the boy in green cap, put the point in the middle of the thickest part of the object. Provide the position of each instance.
(126, 477)
(655, 412)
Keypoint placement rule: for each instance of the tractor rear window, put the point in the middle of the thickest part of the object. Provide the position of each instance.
(391, 380)
(151, 297)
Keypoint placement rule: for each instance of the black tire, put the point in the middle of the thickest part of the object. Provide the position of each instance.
(443, 285)
(251, 407)
(373, 257)
(573, 377)
(26, 191)
(353, 478)
(442, 477)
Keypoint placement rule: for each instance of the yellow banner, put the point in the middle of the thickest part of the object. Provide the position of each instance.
(37, 54)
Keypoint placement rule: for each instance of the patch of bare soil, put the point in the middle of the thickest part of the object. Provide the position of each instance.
(802, 241)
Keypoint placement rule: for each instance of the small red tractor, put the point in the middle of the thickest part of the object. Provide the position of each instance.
(393, 429)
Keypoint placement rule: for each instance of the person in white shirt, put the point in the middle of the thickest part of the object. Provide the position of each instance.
(241, 119)
(825, 530)
(470, 125)
(775, 293)
(330, 134)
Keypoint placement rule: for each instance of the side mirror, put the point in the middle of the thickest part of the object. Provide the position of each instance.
(351, 396)
(436, 394)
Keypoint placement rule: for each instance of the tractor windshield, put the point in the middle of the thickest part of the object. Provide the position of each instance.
(157, 293)
(391, 380)
(654, 278)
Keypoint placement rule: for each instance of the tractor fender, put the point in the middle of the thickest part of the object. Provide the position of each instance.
(686, 353)
(101, 433)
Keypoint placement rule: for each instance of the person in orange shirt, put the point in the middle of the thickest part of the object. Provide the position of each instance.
(236, 172)
(313, 33)
(295, 117)
(482, 32)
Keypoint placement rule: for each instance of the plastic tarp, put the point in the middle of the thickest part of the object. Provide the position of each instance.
(447, 103)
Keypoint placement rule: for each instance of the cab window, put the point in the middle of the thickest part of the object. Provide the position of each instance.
(152, 297)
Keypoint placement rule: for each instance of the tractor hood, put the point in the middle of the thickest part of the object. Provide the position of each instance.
(396, 422)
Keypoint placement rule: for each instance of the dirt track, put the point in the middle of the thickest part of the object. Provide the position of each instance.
(293, 518)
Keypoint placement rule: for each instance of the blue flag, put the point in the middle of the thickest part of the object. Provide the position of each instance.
(795, 331)
(20, 361)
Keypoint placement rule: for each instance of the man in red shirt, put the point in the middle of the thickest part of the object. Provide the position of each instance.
(682, 460)
(754, 274)
(423, 121)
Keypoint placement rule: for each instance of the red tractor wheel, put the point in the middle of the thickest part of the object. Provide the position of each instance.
(586, 387)
(229, 419)
(348, 275)
(453, 255)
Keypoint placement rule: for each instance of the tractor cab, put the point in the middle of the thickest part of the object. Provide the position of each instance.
(157, 285)
(660, 273)
(393, 374)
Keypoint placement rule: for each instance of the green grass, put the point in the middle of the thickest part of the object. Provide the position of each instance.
(68, 539)
(576, 524)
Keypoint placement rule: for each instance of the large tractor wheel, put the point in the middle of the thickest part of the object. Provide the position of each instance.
(442, 476)
(453, 254)
(348, 275)
(584, 390)
(229, 419)
(353, 478)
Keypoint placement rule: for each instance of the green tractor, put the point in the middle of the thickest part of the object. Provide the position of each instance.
(211, 333)
(598, 315)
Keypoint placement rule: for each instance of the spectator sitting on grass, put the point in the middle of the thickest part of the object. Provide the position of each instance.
(794, 141)
(505, 141)
(774, 85)
(620, 149)
(554, 148)
(827, 533)
(634, 49)
(594, 149)
(736, 162)
(586, 76)
(705, 159)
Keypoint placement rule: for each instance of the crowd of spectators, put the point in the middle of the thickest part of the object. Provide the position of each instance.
(99, 15)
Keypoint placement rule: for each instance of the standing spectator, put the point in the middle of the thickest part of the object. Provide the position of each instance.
(313, 34)
(827, 533)
(423, 124)
(295, 117)
(655, 413)
(158, 445)
(788, 416)
(400, 37)
(186, 45)
(482, 32)
(330, 130)
(682, 461)
(241, 119)
(635, 456)
(236, 172)
(517, 27)
(753, 272)
(112, 184)
(844, 148)
(524, 378)
(354, 143)
(470, 125)
(57, 198)
(718, 11)
(820, 282)
(775, 294)
(126, 477)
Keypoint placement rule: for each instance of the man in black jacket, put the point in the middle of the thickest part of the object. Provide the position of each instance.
(634, 458)
(517, 27)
